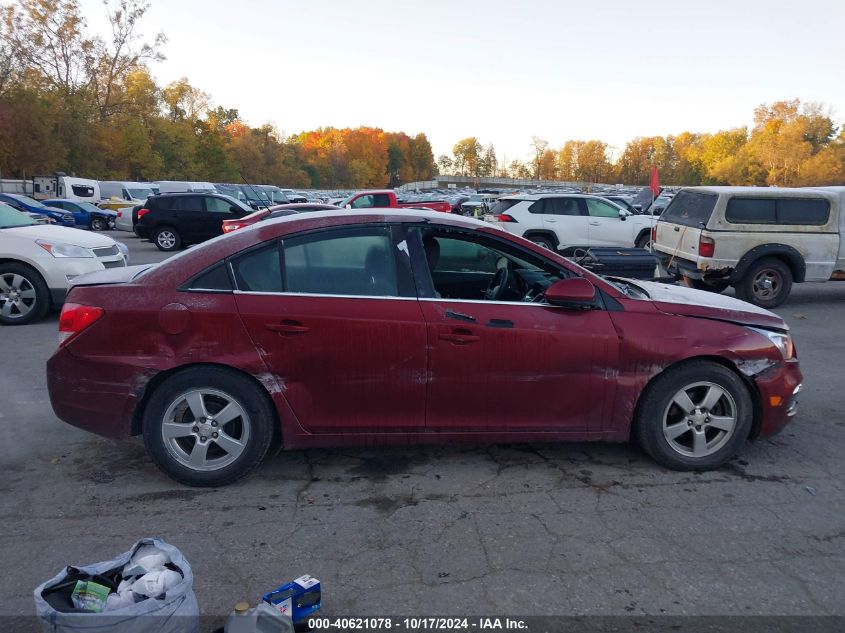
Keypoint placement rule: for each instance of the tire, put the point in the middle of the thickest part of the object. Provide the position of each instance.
(247, 435)
(699, 284)
(167, 239)
(24, 296)
(545, 242)
(644, 241)
(766, 283)
(99, 224)
(672, 434)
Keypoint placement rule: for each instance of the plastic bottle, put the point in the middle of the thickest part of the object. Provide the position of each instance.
(260, 619)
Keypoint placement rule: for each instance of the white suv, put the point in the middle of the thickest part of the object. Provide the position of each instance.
(38, 262)
(571, 222)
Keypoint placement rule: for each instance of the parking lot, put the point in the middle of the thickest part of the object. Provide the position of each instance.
(519, 529)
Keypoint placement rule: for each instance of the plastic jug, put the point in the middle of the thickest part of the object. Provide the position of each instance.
(260, 619)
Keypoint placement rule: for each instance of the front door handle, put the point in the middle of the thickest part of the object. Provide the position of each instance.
(288, 327)
(459, 336)
(460, 316)
(594, 223)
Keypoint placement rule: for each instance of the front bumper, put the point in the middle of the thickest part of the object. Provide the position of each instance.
(99, 396)
(779, 387)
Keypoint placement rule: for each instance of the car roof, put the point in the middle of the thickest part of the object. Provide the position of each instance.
(763, 192)
(406, 214)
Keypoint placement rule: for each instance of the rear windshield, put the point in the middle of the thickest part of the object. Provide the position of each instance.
(503, 205)
(690, 208)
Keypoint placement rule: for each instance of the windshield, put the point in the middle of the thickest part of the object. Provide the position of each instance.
(141, 193)
(30, 202)
(256, 194)
(10, 218)
(690, 208)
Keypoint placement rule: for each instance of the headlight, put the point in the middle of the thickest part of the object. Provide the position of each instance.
(782, 341)
(59, 249)
(123, 248)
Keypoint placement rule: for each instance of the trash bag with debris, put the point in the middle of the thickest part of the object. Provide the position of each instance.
(148, 588)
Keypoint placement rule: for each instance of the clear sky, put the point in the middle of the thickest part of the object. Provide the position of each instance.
(503, 71)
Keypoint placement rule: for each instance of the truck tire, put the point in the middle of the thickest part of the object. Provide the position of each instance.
(700, 284)
(766, 283)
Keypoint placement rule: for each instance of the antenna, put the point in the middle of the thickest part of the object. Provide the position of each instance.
(260, 201)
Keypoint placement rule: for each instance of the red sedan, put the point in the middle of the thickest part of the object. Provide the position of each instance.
(389, 327)
(277, 211)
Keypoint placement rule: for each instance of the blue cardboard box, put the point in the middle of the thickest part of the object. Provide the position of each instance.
(298, 599)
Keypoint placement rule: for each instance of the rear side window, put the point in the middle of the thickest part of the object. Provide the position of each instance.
(216, 279)
(187, 203)
(806, 211)
(346, 262)
(751, 211)
(690, 208)
(794, 211)
(82, 191)
(162, 202)
(259, 270)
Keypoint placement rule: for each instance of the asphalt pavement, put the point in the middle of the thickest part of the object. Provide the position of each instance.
(564, 529)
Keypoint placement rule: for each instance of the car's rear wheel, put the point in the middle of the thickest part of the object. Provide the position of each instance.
(167, 239)
(99, 224)
(695, 416)
(24, 296)
(208, 426)
(766, 283)
(644, 241)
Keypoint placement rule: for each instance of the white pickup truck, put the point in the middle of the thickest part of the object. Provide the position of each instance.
(758, 240)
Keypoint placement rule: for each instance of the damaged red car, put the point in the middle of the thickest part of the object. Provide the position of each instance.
(386, 327)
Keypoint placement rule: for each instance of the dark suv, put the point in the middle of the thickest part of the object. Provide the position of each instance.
(173, 220)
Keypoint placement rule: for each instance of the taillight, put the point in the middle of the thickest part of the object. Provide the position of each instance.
(119, 213)
(706, 246)
(75, 318)
(504, 217)
(142, 213)
(654, 234)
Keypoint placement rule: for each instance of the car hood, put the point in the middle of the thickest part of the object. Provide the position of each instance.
(709, 305)
(63, 234)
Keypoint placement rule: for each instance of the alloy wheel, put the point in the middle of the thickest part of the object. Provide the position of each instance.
(17, 296)
(205, 429)
(700, 419)
(166, 239)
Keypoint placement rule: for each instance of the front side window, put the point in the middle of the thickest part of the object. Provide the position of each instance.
(600, 209)
(259, 270)
(348, 262)
(464, 267)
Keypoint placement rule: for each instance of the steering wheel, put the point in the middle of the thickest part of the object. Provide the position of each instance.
(501, 280)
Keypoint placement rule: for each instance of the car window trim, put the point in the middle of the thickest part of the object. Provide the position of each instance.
(185, 287)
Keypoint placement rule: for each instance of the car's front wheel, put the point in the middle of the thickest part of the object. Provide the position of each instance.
(208, 426)
(695, 416)
(24, 296)
(99, 224)
(167, 239)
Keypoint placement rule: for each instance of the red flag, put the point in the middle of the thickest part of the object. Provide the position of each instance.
(654, 183)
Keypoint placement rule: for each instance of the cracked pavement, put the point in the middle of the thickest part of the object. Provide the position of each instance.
(563, 529)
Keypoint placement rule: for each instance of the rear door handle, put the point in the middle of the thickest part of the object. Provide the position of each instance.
(459, 336)
(288, 327)
(594, 224)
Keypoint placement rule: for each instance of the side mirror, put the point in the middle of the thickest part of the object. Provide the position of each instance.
(348, 206)
(623, 214)
(575, 292)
